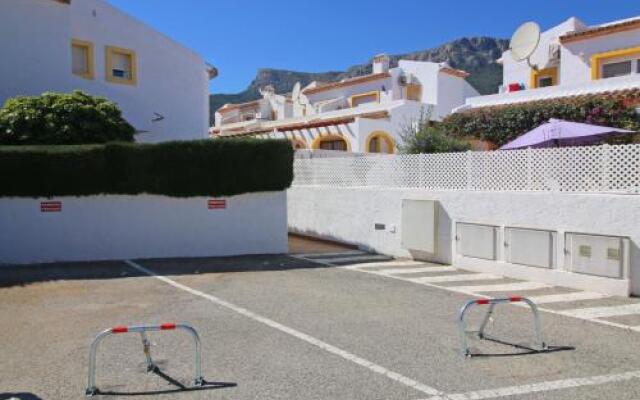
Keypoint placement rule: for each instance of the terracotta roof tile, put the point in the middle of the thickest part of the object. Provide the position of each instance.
(601, 31)
(346, 82)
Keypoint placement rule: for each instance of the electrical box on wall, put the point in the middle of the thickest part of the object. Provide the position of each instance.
(597, 254)
(419, 225)
(477, 241)
(532, 247)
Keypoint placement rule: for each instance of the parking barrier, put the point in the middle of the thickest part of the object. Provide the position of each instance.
(492, 304)
(198, 381)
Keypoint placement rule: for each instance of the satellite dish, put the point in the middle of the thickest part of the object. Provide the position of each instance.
(524, 42)
(295, 94)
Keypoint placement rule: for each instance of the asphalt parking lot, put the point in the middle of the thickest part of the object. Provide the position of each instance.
(279, 327)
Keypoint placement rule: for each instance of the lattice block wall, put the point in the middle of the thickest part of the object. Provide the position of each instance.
(614, 169)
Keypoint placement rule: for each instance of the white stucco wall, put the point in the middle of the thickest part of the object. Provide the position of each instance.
(576, 56)
(349, 215)
(171, 79)
(123, 227)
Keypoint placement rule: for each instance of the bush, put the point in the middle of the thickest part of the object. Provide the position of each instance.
(62, 118)
(218, 167)
(501, 124)
(423, 136)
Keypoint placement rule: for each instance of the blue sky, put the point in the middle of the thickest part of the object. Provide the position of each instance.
(240, 36)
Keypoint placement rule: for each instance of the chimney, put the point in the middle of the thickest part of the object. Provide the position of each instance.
(380, 63)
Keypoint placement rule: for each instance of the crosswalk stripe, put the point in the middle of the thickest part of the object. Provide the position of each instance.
(567, 297)
(603, 312)
(507, 287)
(398, 271)
(454, 278)
(371, 257)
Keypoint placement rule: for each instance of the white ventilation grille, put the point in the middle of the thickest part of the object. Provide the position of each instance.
(610, 169)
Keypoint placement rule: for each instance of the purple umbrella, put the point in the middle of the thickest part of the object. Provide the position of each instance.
(557, 133)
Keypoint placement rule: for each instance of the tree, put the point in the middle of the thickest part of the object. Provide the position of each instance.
(425, 136)
(62, 118)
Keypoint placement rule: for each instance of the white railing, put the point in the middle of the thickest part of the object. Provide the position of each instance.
(604, 169)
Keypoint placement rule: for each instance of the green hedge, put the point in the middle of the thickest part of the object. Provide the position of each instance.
(502, 124)
(222, 167)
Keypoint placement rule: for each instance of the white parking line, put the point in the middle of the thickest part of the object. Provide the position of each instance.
(295, 333)
(507, 287)
(567, 297)
(343, 253)
(349, 259)
(399, 271)
(455, 278)
(408, 263)
(604, 312)
(541, 387)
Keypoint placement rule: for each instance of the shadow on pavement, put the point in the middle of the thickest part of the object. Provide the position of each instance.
(22, 275)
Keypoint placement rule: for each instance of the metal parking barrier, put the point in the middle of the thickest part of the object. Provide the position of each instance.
(198, 381)
(492, 304)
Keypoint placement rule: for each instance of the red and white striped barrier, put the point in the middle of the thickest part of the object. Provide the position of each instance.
(216, 204)
(50, 206)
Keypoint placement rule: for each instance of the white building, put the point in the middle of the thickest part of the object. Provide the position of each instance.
(361, 114)
(573, 59)
(62, 45)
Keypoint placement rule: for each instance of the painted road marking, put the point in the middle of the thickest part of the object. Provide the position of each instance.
(455, 278)
(399, 271)
(295, 333)
(507, 287)
(604, 312)
(567, 297)
(350, 259)
(386, 264)
(343, 253)
(540, 387)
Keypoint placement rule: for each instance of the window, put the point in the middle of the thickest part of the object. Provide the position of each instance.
(82, 59)
(544, 77)
(370, 97)
(331, 142)
(121, 66)
(615, 63)
(620, 68)
(545, 81)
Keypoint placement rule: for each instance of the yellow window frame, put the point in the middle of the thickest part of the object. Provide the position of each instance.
(598, 59)
(327, 138)
(90, 74)
(110, 52)
(355, 97)
(380, 135)
(543, 73)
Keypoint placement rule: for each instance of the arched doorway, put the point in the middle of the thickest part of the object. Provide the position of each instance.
(380, 142)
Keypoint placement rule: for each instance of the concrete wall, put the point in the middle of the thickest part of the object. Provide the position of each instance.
(36, 35)
(349, 214)
(123, 227)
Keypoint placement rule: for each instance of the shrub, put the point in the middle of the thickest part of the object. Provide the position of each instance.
(62, 118)
(502, 124)
(179, 169)
(423, 136)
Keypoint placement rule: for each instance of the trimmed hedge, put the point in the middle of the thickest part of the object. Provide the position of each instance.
(502, 124)
(221, 167)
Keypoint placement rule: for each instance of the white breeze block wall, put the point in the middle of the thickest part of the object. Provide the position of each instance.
(123, 227)
(349, 215)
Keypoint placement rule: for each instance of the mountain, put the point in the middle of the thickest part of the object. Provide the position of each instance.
(476, 55)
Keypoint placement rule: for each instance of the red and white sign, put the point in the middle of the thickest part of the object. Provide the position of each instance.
(216, 204)
(50, 206)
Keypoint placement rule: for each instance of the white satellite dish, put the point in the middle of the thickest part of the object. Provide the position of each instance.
(524, 42)
(295, 94)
